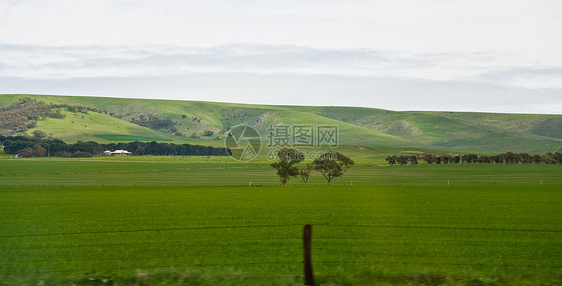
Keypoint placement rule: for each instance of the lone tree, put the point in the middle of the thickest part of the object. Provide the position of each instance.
(287, 158)
(391, 159)
(39, 134)
(304, 173)
(36, 151)
(332, 164)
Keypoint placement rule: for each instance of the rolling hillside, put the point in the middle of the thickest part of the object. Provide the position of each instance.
(118, 119)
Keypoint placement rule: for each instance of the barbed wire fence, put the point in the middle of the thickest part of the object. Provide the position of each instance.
(299, 252)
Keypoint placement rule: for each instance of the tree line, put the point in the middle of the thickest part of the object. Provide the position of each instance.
(36, 147)
(504, 158)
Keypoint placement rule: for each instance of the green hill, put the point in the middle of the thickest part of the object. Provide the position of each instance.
(119, 119)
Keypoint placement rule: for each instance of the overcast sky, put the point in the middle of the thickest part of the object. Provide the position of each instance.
(491, 55)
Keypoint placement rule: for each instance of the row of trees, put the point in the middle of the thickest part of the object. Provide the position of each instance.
(330, 164)
(504, 158)
(53, 147)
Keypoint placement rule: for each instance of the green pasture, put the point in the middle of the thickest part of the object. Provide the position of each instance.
(224, 171)
(3, 155)
(498, 234)
(195, 220)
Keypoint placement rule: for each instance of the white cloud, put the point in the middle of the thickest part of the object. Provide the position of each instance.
(96, 61)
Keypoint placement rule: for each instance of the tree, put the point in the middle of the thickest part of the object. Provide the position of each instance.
(413, 159)
(484, 159)
(332, 164)
(39, 134)
(402, 160)
(429, 158)
(287, 158)
(447, 159)
(26, 153)
(304, 173)
(391, 160)
(469, 158)
(38, 151)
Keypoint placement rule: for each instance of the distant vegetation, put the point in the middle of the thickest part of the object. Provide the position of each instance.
(154, 122)
(504, 158)
(35, 147)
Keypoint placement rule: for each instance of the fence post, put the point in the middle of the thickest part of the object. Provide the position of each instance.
(307, 239)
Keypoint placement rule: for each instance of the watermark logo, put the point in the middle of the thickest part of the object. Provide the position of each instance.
(301, 156)
(302, 136)
(244, 141)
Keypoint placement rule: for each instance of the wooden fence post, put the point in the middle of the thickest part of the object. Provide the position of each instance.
(307, 239)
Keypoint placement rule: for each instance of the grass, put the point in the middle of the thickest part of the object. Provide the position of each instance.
(224, 171)
(126, 138)
(116, 233)
(94, 126)
(195, 221)
(3, 155)
(434, 131)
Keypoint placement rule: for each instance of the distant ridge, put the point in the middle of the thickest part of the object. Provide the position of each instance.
(121, 119)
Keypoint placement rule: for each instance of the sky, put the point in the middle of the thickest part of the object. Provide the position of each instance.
(450, 55)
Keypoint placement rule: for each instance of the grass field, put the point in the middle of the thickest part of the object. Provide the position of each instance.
(194, 220)
(223, 171)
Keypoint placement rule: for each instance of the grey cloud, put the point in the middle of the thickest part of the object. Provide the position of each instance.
(35, 61)
(531, 77)
(509, 73)
(290, 89)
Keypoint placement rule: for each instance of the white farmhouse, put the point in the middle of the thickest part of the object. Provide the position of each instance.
(120, 153)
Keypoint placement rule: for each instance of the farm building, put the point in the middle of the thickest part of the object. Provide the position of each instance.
(117, 153)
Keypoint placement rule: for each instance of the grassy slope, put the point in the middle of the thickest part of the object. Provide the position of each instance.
(538, 124)
(94, 126)
(453, 131)
(366, 127)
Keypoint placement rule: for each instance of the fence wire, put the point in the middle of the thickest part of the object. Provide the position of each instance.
(254, 254)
